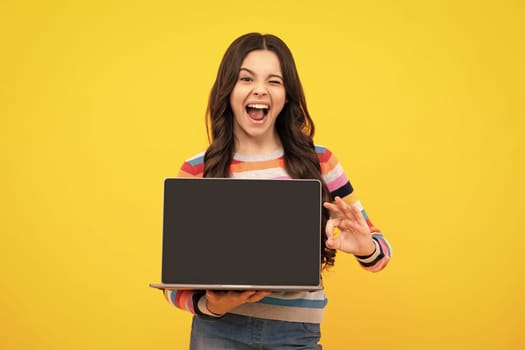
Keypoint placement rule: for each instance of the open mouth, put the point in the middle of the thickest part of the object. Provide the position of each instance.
(257, 111)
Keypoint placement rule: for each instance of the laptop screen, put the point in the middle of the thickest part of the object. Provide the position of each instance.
(241, 233)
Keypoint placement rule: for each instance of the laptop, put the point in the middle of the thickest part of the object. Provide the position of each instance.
(240, 234)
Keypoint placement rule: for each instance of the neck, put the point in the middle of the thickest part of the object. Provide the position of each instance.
(255, 146)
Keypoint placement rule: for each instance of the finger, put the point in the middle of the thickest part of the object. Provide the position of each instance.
(348, 224)
(258, 296)
(359, 215)
(331, 224)
(338, 208)
(344, 224)
(344, 207)
(247, 294)
(352, 212)
(331, 243)
(333, 209)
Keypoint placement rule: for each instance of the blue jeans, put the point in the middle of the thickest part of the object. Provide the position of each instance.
(242, 332)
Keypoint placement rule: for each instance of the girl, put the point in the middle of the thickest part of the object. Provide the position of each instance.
(259, 127)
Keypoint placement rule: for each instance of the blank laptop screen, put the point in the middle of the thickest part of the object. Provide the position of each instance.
(241, 232)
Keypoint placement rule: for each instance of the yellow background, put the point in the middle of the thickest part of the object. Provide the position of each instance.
(421, 101)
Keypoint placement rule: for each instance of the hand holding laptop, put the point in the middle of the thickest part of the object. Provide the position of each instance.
(220, 302)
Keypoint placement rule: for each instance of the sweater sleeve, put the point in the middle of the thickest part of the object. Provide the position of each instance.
(339, 185)
(378, 260)
(184, 299)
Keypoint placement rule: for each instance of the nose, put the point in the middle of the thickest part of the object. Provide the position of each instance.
(260, 89)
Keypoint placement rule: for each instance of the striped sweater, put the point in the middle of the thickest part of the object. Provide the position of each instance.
(285, 306)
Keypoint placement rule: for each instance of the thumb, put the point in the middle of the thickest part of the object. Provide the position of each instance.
(330, 243)
(331, 225)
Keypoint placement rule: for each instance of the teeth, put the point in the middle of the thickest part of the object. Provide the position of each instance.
(258, 106)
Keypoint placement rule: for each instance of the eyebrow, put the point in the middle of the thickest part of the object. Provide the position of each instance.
(253, 73)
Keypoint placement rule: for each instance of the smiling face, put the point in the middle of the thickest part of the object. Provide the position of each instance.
(256, 101)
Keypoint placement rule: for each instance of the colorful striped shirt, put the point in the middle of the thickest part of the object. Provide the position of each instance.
(285, 306)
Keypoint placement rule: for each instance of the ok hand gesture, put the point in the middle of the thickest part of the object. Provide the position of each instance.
(355, 236)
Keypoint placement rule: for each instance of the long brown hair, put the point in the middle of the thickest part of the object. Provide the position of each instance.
(294, 124)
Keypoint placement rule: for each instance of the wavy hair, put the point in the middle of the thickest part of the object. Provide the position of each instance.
(294, 124)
